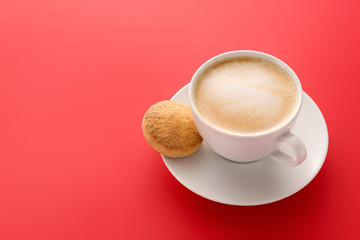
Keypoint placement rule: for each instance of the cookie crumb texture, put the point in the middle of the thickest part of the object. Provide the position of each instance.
(169, 128)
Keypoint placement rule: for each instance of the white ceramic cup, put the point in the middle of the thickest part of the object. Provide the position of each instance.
(279, 143)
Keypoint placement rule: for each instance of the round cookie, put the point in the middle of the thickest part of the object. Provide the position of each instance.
(169, 128)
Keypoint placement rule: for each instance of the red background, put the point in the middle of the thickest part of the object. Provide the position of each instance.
(76, 77)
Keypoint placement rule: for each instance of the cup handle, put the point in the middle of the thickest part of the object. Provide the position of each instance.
(294, 144)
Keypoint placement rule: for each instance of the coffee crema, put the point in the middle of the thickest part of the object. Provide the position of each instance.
(246, 95)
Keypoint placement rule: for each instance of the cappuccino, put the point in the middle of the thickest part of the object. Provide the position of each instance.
(246, 95)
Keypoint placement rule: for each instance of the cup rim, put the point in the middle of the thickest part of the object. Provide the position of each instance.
(246, 53)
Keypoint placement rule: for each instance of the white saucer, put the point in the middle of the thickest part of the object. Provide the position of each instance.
(260, 182)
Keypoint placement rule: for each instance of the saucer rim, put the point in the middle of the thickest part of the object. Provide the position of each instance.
(268, 201)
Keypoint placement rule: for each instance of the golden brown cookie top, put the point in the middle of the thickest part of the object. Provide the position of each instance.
(169, 128)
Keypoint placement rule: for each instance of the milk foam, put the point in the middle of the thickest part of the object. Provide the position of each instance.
(247, 95)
